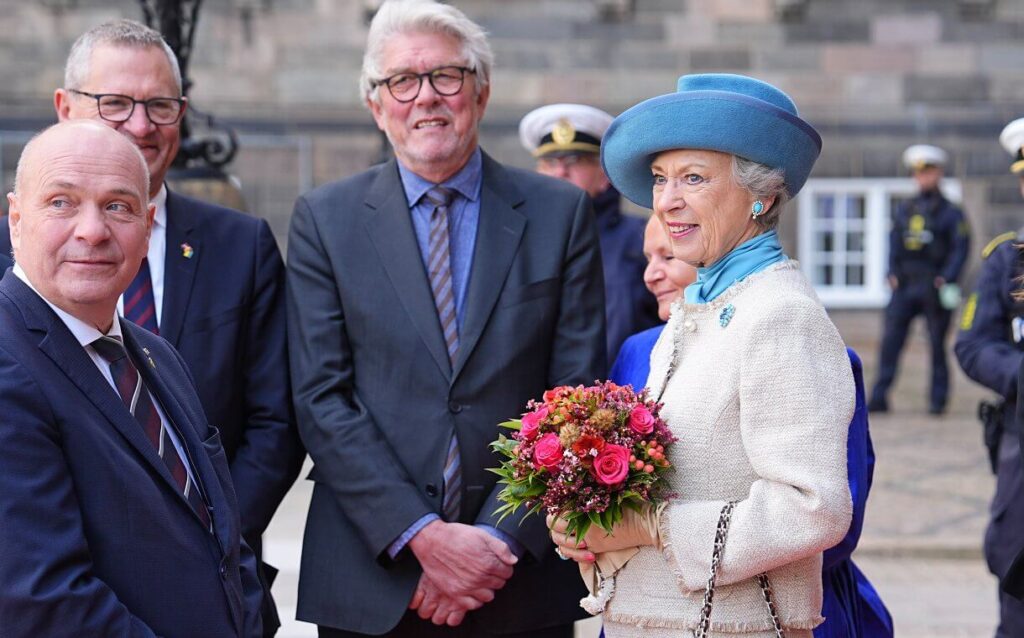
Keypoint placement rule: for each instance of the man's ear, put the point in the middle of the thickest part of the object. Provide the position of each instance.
(377, 111)
(14, 220)
(62, 104)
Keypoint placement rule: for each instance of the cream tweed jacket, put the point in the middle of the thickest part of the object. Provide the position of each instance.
(761, 404)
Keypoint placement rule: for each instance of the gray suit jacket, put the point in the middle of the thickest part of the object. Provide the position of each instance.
(377, 399)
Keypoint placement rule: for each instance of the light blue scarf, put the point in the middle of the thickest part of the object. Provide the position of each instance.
(753, 255)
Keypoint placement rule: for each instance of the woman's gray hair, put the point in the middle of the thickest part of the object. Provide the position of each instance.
(123, 33)
(762, 182)
(423, 16)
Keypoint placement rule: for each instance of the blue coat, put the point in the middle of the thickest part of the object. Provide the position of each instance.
(851, 606)
(97, 539)
(629, 306)
(5, 263)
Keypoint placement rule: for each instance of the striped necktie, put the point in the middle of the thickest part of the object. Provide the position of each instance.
(439, 269)
(139, 303)
(137, 399)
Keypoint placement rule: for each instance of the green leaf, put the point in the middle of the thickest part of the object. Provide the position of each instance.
(514, 424)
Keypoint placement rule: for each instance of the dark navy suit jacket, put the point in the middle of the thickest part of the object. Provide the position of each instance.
(96, 539)
(223, 310)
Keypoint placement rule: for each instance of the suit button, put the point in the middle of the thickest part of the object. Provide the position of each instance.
(431, 489)
(454, 407)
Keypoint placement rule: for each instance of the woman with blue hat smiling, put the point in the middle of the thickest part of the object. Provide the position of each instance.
(754, 377)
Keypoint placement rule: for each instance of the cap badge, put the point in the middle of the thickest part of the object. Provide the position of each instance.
(563, 133)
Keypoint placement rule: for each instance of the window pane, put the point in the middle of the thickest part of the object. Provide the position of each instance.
(825, 242)
(855, 207)
(854, 275)
(855, 242)
(823, 275)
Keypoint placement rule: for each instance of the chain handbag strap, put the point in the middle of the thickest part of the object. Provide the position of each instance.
(721, 532)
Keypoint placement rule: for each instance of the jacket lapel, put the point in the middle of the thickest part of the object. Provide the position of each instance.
(64, 350)
(390, 228)
(179, 270)
(151, 367)
(501, 229)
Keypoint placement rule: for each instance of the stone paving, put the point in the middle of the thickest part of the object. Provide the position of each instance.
(921, 545)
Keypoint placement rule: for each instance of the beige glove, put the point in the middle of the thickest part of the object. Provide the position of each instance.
(610, 552)
(636, 529)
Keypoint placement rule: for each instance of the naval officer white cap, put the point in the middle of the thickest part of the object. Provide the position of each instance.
(1012, 139)
(563, 129)
(919, 156)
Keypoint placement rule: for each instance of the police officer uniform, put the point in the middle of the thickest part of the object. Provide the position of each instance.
(928, 242)
(566, 130)
(990, 349)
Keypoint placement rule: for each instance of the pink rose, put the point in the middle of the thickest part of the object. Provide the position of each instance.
(531, 423)
(548, 452)
(612, 465)
(641, 420)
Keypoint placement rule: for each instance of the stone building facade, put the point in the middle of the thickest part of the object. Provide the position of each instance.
(872, 75)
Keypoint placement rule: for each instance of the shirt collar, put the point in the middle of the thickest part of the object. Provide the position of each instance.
(466, 182)
(84, 333)
(160, 201)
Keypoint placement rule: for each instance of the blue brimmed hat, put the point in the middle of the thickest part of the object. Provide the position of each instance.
(710, 111)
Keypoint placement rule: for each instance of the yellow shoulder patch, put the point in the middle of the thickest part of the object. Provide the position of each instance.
(967, 318)
(992, 245)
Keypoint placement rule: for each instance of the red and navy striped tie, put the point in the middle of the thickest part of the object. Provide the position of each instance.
(439, 268)
(137, 399)
(139, 303)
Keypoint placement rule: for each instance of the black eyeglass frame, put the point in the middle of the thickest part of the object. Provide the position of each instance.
(429, 75)
(145, 105)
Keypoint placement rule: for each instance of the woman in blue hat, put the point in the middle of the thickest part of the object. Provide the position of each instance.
(755, 379)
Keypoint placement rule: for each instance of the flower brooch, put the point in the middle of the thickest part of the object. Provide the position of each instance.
(726, 315)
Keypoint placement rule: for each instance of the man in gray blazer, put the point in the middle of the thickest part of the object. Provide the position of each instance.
(429, 298)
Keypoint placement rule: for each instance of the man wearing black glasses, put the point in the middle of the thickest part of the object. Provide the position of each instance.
(212, 283)
(429, 298)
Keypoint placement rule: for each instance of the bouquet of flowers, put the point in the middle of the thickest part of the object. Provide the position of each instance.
(583, 454)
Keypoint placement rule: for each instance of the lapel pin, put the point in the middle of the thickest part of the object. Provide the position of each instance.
(149, 358)
(186, 251)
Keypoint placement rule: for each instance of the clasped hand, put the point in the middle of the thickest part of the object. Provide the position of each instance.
(634, 530)
(462, 568)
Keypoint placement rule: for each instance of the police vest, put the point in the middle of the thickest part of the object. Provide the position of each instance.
(923, 249)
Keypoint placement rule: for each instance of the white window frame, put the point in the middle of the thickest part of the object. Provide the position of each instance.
(877, 193)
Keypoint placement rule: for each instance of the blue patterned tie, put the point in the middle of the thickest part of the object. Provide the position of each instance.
(439, 269)
(137, 399)
(139, 303)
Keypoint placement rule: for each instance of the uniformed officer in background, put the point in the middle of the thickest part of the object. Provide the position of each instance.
(990, 349)
(928, 246)
(565, 139)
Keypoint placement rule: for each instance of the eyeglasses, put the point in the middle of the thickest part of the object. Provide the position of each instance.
(446, 80)
(119, 108)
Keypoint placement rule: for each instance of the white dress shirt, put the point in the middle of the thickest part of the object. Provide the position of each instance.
(156, 254)
(86, 334)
